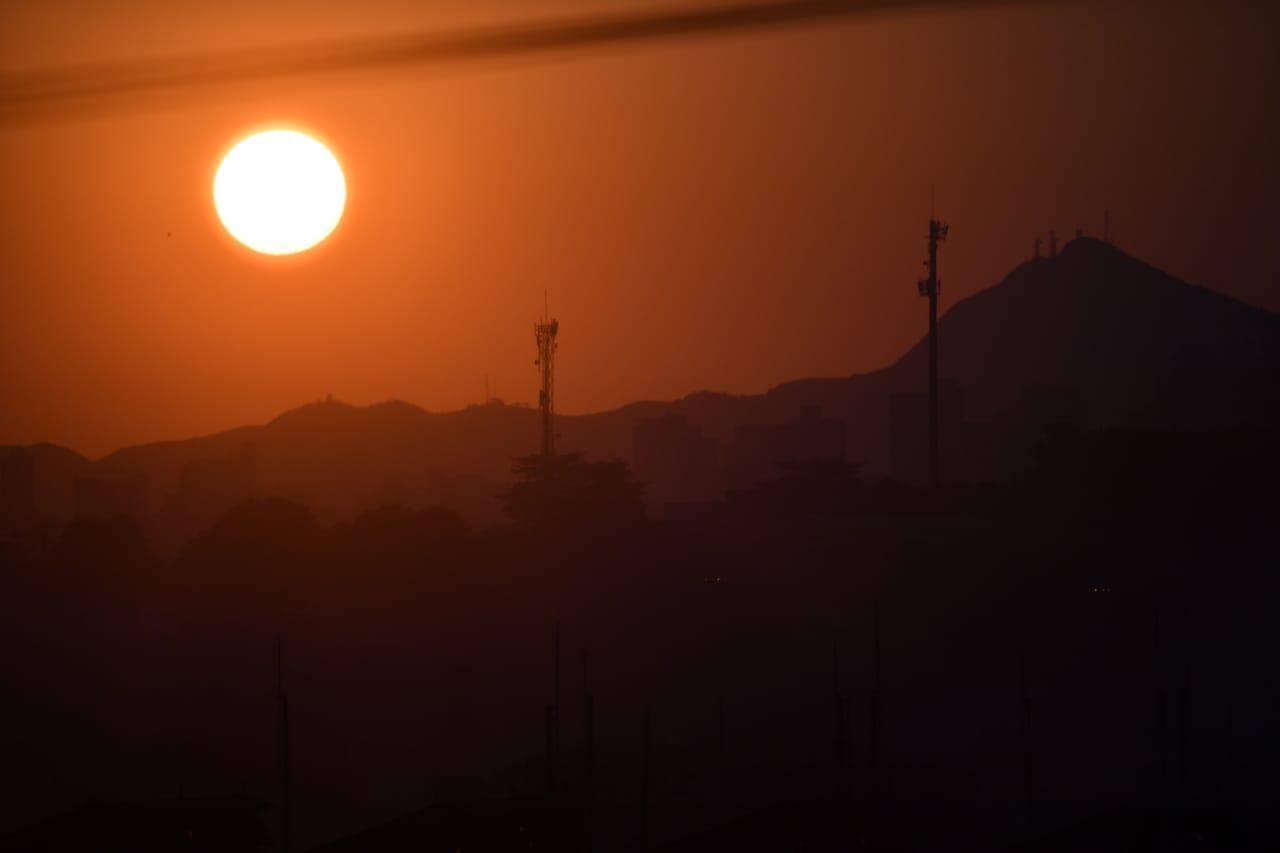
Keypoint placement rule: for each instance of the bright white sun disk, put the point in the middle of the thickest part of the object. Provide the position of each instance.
(279, 192)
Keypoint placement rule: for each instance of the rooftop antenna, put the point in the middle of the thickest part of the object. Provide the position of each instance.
(1037, 254)
(545, 334)
(282, 699)
(930, 287)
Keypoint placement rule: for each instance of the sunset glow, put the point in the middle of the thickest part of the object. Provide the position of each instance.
(279, 192)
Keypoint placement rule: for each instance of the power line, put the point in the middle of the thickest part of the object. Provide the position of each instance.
(74, 90)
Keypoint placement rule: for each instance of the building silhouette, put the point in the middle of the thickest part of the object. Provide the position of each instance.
(213, 825)
(499, 824)
(17, 486)
(675, 461)
(761, 451)
(909, 434)
(209, 487)
(995, 450)
(100, 497)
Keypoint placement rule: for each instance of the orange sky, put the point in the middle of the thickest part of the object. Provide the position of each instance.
(723, 214)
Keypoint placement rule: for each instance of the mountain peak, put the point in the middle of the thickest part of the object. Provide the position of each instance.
(330, 413)
(1098, 321)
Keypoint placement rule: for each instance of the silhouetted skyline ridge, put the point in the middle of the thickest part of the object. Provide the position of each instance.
(1139, 346)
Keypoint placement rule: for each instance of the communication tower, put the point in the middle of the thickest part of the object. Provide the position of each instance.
(545, 334)
(929, 287)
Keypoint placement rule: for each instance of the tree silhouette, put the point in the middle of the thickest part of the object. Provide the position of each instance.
(567, 490)
(396, 543)
(259, 544)
(810, 487)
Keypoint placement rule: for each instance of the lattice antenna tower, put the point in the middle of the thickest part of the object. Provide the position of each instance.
(545, 333)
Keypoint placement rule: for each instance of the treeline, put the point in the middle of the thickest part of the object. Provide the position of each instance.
(1130, 571)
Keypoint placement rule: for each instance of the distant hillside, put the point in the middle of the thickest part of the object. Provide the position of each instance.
(53, 470)
(1135, 342)
(1137, 345)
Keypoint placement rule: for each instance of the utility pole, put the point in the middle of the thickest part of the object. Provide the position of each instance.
(1028, 754)
(282, 700)
(556, 695)
(645, 746)
(549, 756)
(552, 722)
(545, 334)
(839, 747)
(724, 759)
(588, 755)
(929, 287)
(873, 736)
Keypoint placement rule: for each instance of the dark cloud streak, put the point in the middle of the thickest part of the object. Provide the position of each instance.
(76, 90)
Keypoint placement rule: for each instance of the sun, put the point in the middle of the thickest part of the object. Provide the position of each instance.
(279, 192)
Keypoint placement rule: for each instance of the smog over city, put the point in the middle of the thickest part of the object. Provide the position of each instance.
(619, 425)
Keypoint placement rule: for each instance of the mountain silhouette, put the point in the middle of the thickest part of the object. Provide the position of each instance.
(1138, 346)
(1131, 339)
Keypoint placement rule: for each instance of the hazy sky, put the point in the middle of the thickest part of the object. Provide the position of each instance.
(720, 213)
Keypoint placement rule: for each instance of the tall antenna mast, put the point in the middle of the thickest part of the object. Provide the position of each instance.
(545, 334)
(929, 287)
